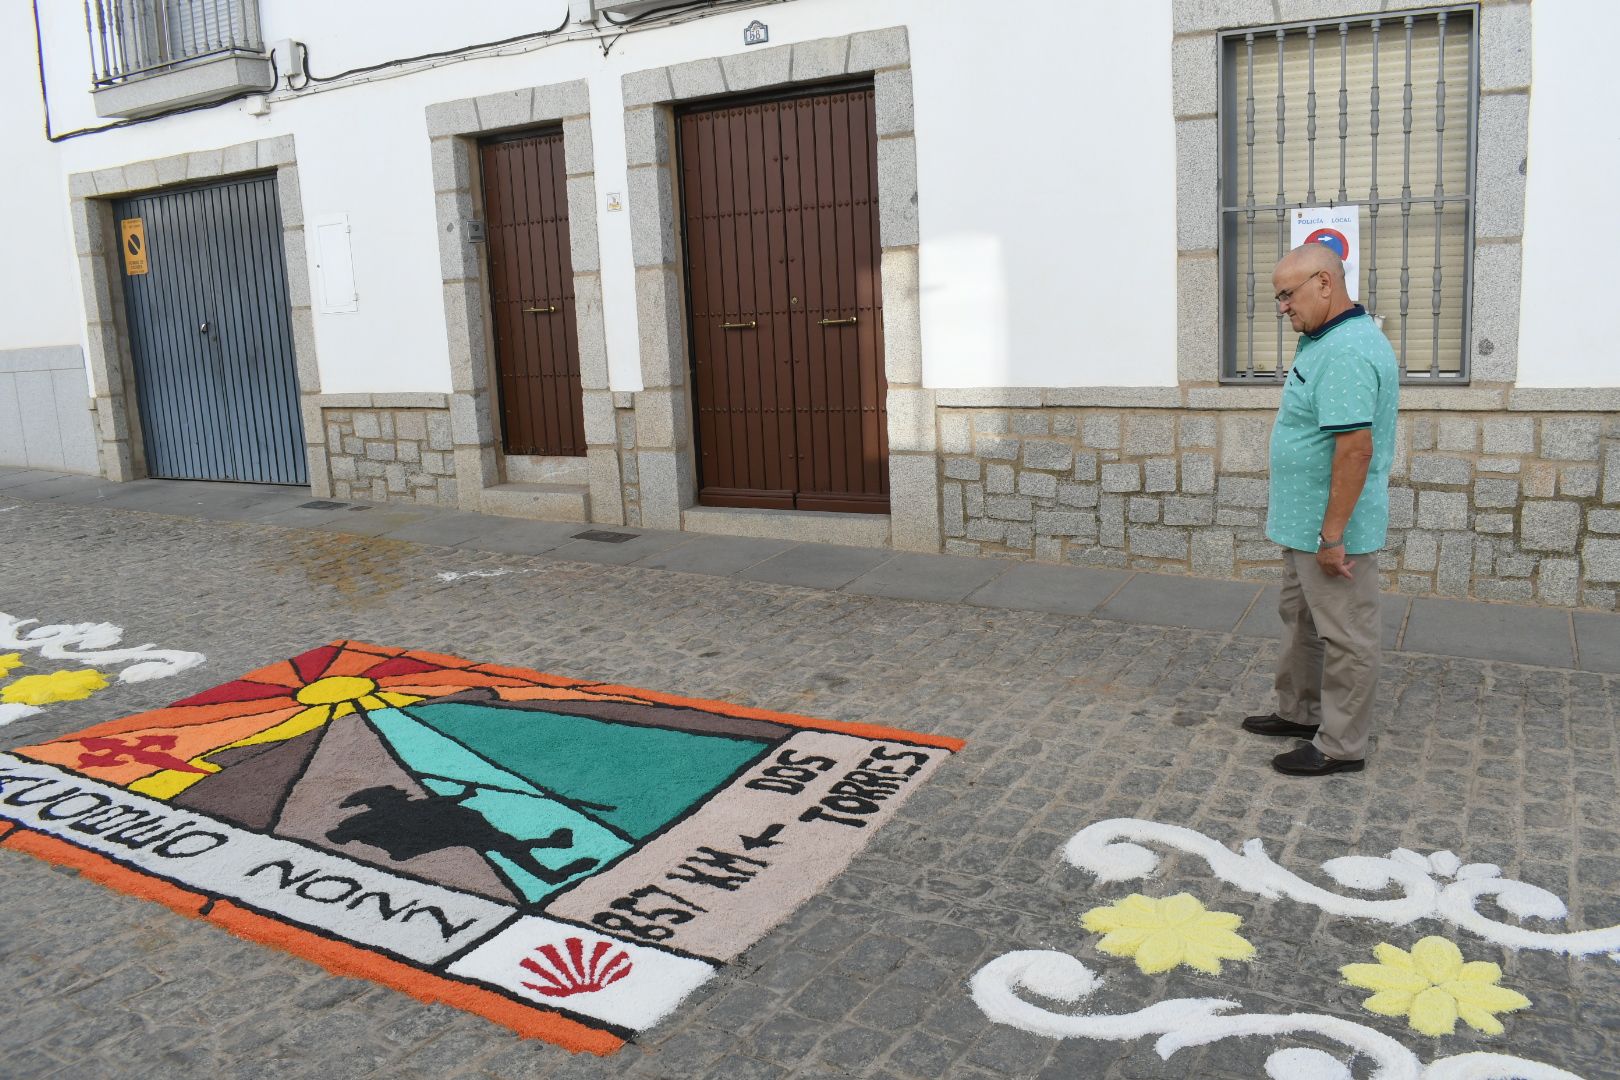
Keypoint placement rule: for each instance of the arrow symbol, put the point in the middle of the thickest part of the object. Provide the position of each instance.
(766, 838)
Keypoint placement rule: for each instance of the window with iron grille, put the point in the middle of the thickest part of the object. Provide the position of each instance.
(1379, 114)
(135, 38)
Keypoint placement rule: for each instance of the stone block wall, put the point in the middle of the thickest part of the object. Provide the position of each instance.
(1496, 506)
(47, 416)
(624, 419)
(381, 454)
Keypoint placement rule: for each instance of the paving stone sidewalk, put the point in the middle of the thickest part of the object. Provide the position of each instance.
(1070, 719)
(1585, 640)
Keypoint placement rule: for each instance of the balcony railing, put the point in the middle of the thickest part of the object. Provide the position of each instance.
(130, 38)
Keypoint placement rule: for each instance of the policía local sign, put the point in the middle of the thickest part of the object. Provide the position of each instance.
(1337, 227)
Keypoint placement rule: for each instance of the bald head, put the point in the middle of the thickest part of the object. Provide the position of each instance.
(1311, 259)
(1309, 286)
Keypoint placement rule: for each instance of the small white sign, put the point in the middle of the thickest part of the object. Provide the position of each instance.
(1339, 227)
(614, 202)
(756, 33)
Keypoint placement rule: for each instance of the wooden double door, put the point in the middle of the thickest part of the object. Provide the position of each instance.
(531, 275)
(779, 202)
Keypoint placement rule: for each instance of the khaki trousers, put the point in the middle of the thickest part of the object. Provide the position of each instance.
(1332, 646)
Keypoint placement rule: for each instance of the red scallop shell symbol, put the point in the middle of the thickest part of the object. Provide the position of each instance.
(573, 974)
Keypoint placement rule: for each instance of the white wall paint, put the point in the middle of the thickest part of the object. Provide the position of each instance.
(1574, 162)
(39, 300)
(1047, 183)
(1047, 194)
(613, 232)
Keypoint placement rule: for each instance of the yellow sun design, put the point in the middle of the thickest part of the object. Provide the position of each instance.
(340, 695)
(1433, 988)
(327, 699)
(1160, 934)
(57, 686)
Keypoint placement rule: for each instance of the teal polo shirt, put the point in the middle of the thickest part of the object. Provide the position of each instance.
(1344, 377)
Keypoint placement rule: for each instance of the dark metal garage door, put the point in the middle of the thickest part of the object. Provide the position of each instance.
(210, 333)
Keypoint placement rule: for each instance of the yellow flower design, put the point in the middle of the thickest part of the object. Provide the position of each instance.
(1432, 987)
(1160, 934)
(9, 662)
(57, 686)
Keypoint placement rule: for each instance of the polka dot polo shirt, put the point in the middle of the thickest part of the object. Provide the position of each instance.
(1344, 377)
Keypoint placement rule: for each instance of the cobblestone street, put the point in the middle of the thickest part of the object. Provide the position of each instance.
(1069, 720)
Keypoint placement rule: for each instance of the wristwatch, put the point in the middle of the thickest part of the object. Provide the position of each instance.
(1323, 542)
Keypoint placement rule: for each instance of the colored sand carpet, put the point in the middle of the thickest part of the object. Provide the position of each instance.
(568, 859)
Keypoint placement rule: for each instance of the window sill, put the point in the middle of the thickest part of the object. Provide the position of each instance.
(193, 84)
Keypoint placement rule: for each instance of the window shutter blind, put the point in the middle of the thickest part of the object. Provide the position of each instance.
(1400, 261)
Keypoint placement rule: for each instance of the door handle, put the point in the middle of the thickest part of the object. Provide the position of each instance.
(839, 322)
(749, 325)
(540, 310)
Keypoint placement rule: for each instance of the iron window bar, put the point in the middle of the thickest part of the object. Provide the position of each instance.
(134, 38)
(1240, 217)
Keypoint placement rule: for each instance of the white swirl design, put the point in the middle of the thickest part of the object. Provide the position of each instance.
(1434, 886)
(1185, 1022)
(63, 642)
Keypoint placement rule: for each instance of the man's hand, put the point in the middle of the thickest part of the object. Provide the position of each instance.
(1330, 559)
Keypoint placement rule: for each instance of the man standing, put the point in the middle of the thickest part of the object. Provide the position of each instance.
(1331, 449)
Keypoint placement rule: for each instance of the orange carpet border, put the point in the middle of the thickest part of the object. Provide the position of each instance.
(341, 958)
(105, 871)
(337, 957)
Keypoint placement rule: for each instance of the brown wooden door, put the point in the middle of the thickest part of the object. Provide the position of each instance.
(780, 206)
(532, 295)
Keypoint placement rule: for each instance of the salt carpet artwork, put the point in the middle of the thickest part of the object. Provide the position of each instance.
(569, 859)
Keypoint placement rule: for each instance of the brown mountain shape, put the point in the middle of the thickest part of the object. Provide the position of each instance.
(352, 757)
(252, 781)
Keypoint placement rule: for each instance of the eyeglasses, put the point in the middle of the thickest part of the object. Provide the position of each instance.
(1288, 294)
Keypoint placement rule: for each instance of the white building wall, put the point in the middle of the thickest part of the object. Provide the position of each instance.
(1047, 245)
(44, 388)
(39, 305)
(1048, 254)
(1573, 167)
(1048, 194)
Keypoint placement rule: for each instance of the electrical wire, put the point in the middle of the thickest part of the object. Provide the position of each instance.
(678, 4)
(674, 11)
(310, 77)
(303, 69)
(64, 136)
(677, 8)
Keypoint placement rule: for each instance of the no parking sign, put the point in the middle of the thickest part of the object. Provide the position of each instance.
(1337, 227)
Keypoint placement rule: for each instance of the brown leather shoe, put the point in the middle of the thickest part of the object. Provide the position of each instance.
(1272, 724)
(1306, 760)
